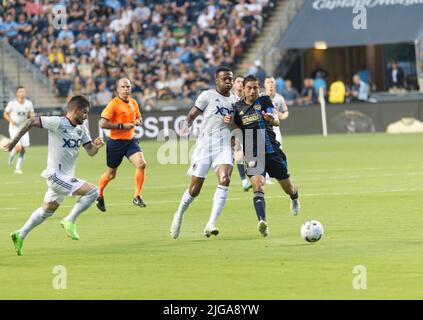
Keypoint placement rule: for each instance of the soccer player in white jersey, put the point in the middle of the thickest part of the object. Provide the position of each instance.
(213, 149)
(65, 136)
(237, 90)
(16, 112)
(279, 103)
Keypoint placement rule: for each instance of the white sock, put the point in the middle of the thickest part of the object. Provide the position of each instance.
(185, 202)
(83, 204)
(219, 201)
(36, 218)
(19, 162)
(12, 155)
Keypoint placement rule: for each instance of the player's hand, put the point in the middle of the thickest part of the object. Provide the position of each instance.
(128, 126)
(236, 145)
(269, 117)
(227, 118)
(98, 142)
(8, 147)
(185, 129)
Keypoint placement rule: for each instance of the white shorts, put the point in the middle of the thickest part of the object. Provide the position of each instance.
(60, 186)
(203, 158)
(24, 141)
(277, 131)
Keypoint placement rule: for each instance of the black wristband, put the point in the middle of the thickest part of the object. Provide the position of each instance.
(120, 126)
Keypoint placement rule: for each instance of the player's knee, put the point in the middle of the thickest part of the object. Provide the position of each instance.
(91, 195)
(194, 191)
(142, 165)
(111, 175)
(224, 180)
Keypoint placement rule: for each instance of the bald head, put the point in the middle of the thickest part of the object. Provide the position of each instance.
(124, 88)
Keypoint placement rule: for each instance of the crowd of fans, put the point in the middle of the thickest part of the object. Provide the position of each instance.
(167, 49)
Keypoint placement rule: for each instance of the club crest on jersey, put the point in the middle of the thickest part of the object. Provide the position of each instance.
(79, 131)
(257, 107)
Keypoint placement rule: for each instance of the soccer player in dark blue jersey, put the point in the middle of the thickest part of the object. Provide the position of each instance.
(256, 116)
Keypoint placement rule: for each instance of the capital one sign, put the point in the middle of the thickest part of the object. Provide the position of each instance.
(340, 4)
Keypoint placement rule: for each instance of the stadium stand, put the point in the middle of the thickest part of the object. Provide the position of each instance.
(168, 50)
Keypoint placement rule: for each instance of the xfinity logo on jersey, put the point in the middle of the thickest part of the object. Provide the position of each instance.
(222, 110)
(71, 143)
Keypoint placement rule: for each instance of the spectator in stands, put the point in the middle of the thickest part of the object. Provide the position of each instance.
(324, 74)
(123, 36)
(359, 90)
(290, 94)
(396, 76)
(337, 91)
(308, 94)
(103, 96)
(280, 84)
(258, 71)
(320, 83)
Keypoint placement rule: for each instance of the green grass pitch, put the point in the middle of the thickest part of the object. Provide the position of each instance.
(365, 189)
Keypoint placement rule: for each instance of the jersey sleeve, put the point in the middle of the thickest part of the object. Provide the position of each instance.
(202, 101)
(266, 104)
(8, 107)
(31, 107)
(86, 137)
(284, 107)
(50, 123)
(109, 111)
(237, 118)
(137, 110)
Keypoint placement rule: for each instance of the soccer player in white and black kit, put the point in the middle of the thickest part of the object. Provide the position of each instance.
(65, 136)
(16, 112)
(279, 103)
(213, 149)
(237, 90)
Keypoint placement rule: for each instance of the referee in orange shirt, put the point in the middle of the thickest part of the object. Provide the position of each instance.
(121, 116)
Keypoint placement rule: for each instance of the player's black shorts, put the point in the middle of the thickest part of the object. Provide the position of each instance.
(117, 149)
(275, 165)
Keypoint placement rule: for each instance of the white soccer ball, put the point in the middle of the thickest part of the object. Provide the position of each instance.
(312, 231)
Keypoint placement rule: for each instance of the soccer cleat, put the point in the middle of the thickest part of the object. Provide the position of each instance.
(138, 201)
(18, 171)
(211, 230)
(295, 206)
(175, 228)
(17, 242)
(246, 185)
(100, 203)
(263, 228)
(70, 229)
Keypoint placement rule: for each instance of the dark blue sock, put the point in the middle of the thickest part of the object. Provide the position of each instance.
(241, 170)
(260, 205)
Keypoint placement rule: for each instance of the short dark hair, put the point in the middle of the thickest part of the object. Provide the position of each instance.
(78, 102)
(19, 87)
(223, 69)
(250, 78)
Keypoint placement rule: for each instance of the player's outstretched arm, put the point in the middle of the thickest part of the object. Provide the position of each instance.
(192, 115)
(93, 147)
(27, 125)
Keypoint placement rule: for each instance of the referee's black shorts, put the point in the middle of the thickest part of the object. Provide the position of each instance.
(117, 149)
